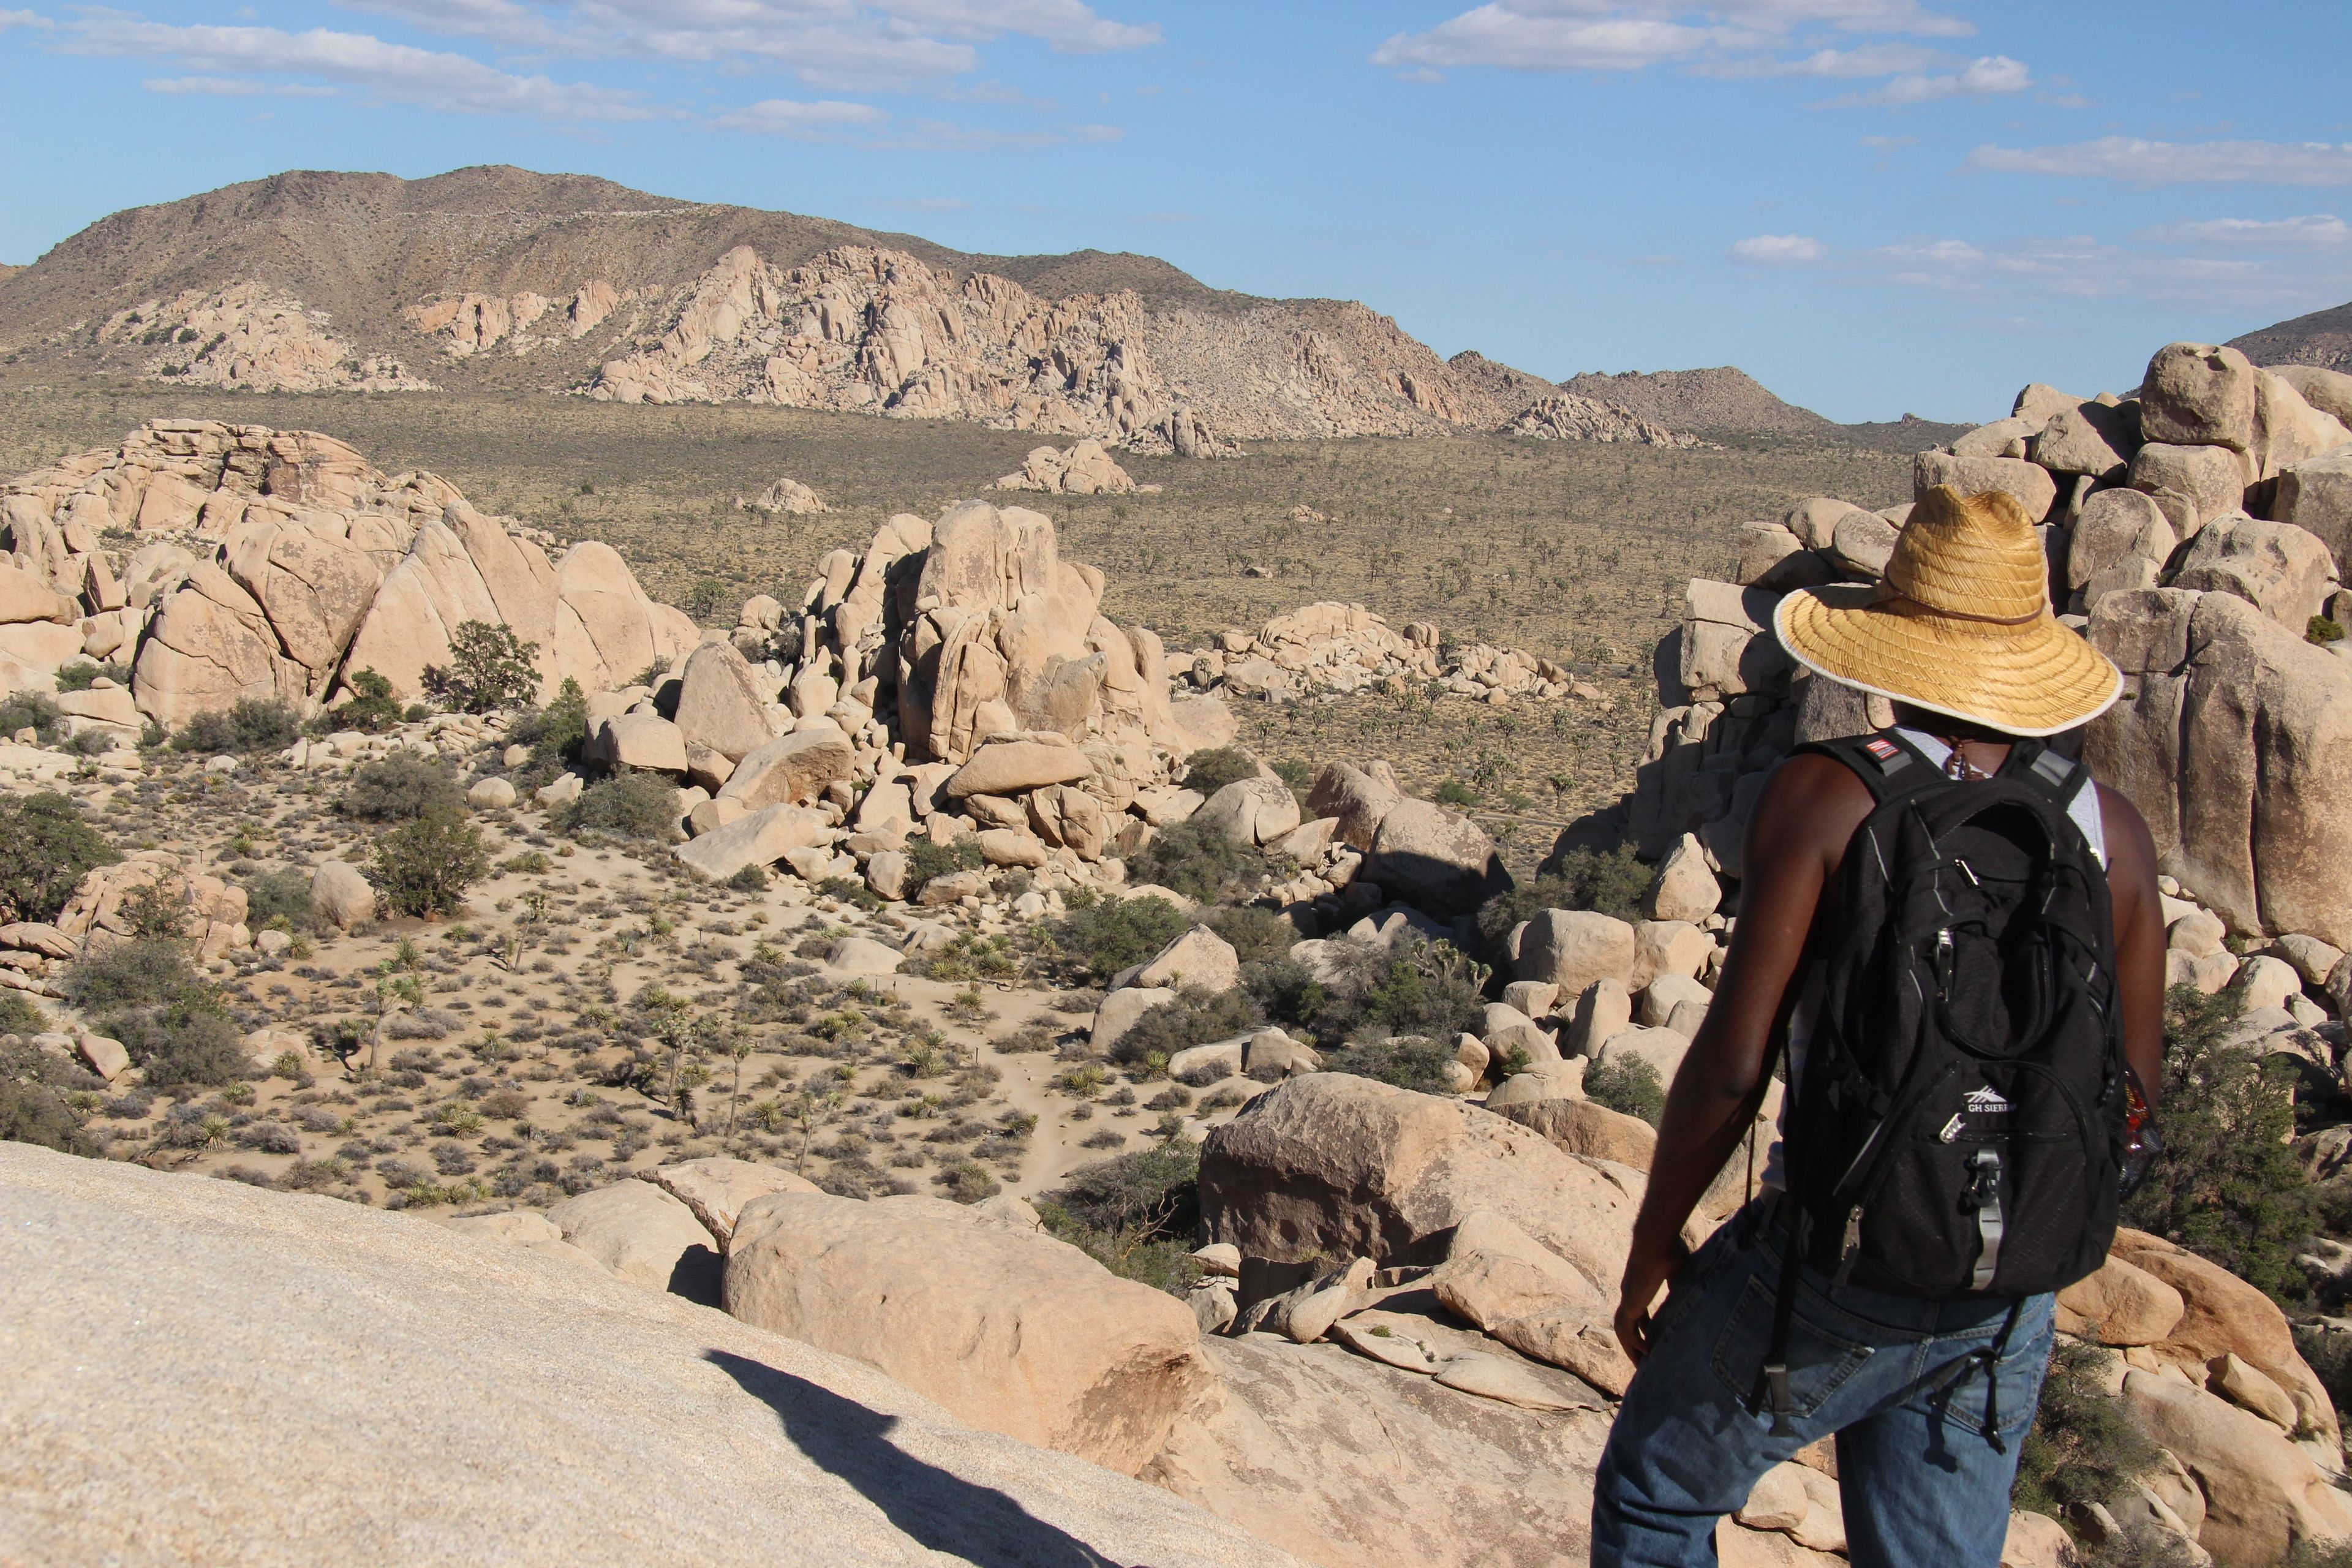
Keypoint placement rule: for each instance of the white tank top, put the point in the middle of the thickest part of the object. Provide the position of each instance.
(2086, 815)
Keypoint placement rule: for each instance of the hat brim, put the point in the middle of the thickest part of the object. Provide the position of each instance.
(2039, 678)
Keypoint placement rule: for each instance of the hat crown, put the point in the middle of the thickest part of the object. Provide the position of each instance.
(1976, 557)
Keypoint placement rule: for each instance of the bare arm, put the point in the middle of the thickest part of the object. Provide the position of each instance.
(2139, 937)
(1807, 811)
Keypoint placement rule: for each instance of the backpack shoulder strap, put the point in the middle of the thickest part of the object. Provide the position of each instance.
(1889, 766)
(2059, 779)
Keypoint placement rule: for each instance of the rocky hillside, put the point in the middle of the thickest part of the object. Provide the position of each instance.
(2323, 339)
(501, 278)
(1723, 399)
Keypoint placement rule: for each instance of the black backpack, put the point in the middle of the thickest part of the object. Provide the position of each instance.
(1960, 1127)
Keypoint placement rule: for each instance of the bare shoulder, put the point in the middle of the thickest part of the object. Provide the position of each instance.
(2127, 829)
(1812, 801)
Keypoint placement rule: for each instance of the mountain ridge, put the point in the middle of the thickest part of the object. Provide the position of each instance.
(2323, 338)
(498, 279)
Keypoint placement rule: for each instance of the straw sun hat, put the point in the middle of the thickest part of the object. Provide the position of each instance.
(1959, 623)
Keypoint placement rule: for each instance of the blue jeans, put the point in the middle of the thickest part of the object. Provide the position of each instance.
(1922, 1485)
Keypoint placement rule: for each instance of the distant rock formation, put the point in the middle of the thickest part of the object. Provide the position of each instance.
(274, 563)
(789, 497)
(1085, 469)
(1565, 417)
(252, 338)
(1722, 399)
(468, 324)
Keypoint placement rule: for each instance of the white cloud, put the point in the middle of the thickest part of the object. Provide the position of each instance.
(1888, 143)
(395, 73)
(1779, 251)
(2006, 275)
(1723, 37)
(24, 19)
(821, 121)
(1992, 76)
(942, 136)
(232, 87)
(2319, 232)
(847, 45)
(2177, 163)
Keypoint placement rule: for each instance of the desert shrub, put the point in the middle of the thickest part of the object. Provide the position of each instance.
(424, 867)
(1300, 777)
(1456, 794)
(82, 676)
(1195, 1018)
(32, 1108)
(1213, 770)
(145, 993)
(556, 733)
(372, 708)
(968, 1181)
(401, 787)
(489, 668)
(1135, 1213)
(1196, 860)
(1256, 935)
(1107, 935)
(1408, 1061)
(49, 850)
(2314, 1551)
(18, 1015)
(157, 909)
(1629, 1086)
(2228, 1185)
(279, 896)
(750, 879)
(109, 977)
(1608, 881)
(928, 858)
(631, 806)
(2083, 1446)
(32, 711)
(253, 724)
(2329, 1357)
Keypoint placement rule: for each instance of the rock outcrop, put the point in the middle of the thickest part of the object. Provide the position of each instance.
(1565, 416)
(1084, 469)
(279, 563)
(576, 1388)
(250, 337)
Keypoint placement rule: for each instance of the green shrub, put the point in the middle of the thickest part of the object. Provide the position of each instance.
(252, 725)
(1629, 1084)
(554, 733)
(1136, 1213)
(1211, 771)
(2329, 1357)
(1300, 777)
(2083, 1446)
(142, 972)
(1606, 881)
(402, 787)
(49, 850)
(145, 993)
(630, 805)
(34, 710)
(1196, 860)
(2228, 1185)
(189, 1043)
(372, 708)
(1456, 794)
(1407, 1061)
(750, 879)
(968, 1181)
(1106, 936)
(489, 668)
(424, 867)
(1195, 1018)
(18, 1015)
(926, 858)
(33, 1109)
(279, 899)
(2319, 629)
(1256, 935)
(82, 676)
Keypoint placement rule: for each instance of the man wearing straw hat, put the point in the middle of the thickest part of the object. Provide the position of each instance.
(1959, 635)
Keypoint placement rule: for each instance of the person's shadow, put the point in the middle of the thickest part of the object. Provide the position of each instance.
(941, 1510)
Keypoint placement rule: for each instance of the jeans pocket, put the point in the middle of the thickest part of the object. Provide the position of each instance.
(1820, 1361)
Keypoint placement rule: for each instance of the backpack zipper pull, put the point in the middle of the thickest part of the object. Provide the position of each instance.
(1850, 1248)
(1944, 964)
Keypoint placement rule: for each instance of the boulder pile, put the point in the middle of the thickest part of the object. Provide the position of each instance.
(251, 337)
(785, 498)
(1084, 469)
(1568, 417)
(279, 564)
(1333, 648)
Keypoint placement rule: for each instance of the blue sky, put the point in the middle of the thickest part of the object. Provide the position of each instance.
(1873, 205)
